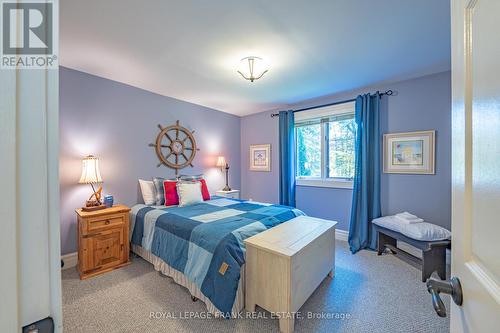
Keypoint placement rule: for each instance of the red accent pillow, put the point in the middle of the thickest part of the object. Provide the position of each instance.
(171, 196)
(204, 190)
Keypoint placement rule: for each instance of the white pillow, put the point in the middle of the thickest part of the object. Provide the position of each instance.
(148, 191)
(189, 193)
(422, 231)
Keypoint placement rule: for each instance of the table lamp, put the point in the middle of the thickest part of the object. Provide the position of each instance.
(91, 175)
(221, 163)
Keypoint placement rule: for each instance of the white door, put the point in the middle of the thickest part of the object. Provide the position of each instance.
(476, 163)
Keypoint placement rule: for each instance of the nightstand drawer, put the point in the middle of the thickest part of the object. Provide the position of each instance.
(100, 223)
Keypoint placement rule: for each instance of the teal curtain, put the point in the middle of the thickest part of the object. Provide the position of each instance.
(287, 158)
(366, 191)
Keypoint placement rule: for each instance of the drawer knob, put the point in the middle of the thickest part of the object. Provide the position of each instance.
(107, 222)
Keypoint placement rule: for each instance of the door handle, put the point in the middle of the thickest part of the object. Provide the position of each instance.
(452, 287)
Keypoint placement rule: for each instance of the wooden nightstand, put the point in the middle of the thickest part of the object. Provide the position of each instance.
(235, 194)
(103, 240)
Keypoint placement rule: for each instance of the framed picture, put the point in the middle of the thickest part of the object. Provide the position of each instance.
(411, 152)
(260, 157)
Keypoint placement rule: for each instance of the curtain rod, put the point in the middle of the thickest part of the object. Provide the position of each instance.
(388, 93)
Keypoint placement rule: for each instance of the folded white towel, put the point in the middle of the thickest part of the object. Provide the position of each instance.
(408, 221)
(408, 218)
(407, 215)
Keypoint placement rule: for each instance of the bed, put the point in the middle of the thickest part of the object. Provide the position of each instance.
(201, 246)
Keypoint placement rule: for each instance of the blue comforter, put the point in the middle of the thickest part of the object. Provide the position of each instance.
(205, 241)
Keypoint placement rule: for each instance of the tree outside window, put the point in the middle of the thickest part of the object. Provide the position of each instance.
(331, 157)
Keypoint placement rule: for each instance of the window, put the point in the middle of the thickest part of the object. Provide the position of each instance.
(325, 146)
(309, 150)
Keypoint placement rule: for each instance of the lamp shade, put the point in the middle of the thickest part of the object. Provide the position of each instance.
(90, 171)
(221, 162)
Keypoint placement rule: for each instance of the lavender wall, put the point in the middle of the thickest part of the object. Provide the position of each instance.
(256, 185)
(420, 104)
(116, 122)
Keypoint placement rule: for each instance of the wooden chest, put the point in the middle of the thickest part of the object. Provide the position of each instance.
(285, 264)
(103, 240)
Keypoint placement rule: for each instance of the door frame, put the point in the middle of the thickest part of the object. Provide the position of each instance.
(30, 283)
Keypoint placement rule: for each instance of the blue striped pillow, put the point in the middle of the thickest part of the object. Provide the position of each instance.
(159, 192)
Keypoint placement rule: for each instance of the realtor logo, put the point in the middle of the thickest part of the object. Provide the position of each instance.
(28, 34)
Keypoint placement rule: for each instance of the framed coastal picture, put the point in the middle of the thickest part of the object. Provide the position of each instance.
(260, 157)
(410, 152)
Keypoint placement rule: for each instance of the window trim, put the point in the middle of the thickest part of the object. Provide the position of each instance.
(324, 180)
(343, 183)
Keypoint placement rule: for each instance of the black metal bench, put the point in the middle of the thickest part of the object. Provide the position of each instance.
(433, 252)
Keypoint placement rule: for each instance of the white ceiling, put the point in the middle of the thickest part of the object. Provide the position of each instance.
(190, 49)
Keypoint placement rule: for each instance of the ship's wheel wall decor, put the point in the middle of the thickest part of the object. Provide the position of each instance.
(175, 146)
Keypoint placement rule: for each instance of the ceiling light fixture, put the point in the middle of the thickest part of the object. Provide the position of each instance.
(255, 68)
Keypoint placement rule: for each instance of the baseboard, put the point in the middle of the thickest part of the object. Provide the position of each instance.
(341, 234)
(70, 260)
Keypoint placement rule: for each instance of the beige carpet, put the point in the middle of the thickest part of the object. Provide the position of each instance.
(368, 294)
